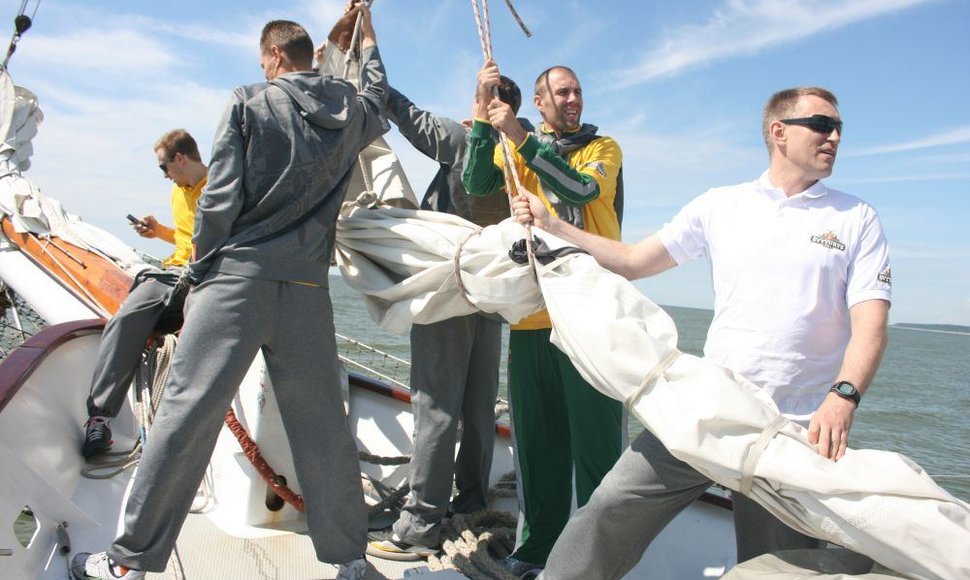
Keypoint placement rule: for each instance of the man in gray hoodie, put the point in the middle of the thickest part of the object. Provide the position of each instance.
(264, 233)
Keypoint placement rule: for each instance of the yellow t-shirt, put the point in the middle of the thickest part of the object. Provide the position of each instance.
(184, 200)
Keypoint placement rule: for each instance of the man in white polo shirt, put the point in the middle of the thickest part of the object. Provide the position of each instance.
(802, 291)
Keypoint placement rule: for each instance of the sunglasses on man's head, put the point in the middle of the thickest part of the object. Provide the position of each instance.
(819, 123)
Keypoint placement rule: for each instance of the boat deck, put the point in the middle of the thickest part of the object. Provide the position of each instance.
(205, 551)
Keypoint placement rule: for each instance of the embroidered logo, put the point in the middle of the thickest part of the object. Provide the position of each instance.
(886, 276)
(828, 240)
(599, 167)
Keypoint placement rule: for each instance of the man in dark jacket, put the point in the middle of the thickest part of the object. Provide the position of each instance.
(455, 362)
(282, 158)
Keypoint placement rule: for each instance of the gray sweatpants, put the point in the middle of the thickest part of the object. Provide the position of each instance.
(643, 492)
(227, 320)
(124, 338)
(454, 375)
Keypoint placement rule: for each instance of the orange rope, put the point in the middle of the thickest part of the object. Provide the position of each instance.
(251, 451)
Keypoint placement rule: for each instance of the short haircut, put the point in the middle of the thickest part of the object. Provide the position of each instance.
(542, 81)
(178, 141)
(781, 105)
(291, 38)
(509, 93)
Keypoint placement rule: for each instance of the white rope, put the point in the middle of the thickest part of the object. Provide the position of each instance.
(485, 38)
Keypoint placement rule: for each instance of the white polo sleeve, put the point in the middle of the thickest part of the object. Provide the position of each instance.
(869, 276)
(685, 237)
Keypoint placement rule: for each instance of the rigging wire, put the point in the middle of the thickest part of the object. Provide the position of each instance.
(22, 24)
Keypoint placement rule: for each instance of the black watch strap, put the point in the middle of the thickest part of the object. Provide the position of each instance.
(847, 390)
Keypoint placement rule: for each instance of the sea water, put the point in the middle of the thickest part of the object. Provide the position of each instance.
(916, 405)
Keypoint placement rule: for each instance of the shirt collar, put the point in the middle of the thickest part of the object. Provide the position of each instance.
(817, 189)
(546, 129)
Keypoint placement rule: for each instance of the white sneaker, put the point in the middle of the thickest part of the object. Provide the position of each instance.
(98, 566)
(353, 570)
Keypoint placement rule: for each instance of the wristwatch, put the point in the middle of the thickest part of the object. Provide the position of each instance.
(847, 390)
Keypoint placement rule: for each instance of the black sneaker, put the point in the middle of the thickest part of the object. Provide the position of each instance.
(97, 437)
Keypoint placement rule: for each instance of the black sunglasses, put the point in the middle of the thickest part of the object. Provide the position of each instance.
(819, 123)
(164, 166)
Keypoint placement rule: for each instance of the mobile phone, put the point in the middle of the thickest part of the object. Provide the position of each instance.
(135, 220)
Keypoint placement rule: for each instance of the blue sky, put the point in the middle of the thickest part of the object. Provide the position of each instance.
(680, 85)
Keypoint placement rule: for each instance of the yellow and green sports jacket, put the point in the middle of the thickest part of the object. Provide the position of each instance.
(576, 176)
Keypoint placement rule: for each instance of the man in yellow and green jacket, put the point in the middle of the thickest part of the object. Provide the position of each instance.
(559, 421)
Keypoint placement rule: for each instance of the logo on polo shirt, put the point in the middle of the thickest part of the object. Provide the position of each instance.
(829, 240)
(886, 276)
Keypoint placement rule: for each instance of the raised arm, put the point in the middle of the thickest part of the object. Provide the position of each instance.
(481, 176)
(373, 79)
(439, 138)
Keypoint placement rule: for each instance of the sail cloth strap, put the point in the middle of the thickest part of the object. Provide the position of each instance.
(753, 455)
(655, 373)
(457, 262)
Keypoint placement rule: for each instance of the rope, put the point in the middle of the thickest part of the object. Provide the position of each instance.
(485, 38)
(475, 544)
(97, 306)
(354, 47)
(151, 377)
(110, 464)
(392, 499)
(517, 18)
(251, 451)
(382, 460)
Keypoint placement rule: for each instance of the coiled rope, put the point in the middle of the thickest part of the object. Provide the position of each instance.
(476, 543)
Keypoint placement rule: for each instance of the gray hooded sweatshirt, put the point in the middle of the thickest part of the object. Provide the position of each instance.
(282, 157)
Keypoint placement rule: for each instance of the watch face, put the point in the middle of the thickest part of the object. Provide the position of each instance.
(845, 389)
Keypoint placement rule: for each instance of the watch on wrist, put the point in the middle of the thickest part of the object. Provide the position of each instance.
(847, 390)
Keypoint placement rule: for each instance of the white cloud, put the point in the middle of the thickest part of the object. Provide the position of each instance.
(957, 136)
(745, 27)
(111, 51)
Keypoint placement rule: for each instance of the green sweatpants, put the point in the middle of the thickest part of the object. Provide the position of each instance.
(559, 422)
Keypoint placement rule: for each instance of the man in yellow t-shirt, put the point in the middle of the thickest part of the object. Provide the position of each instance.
(155, 300)
(559, 421)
